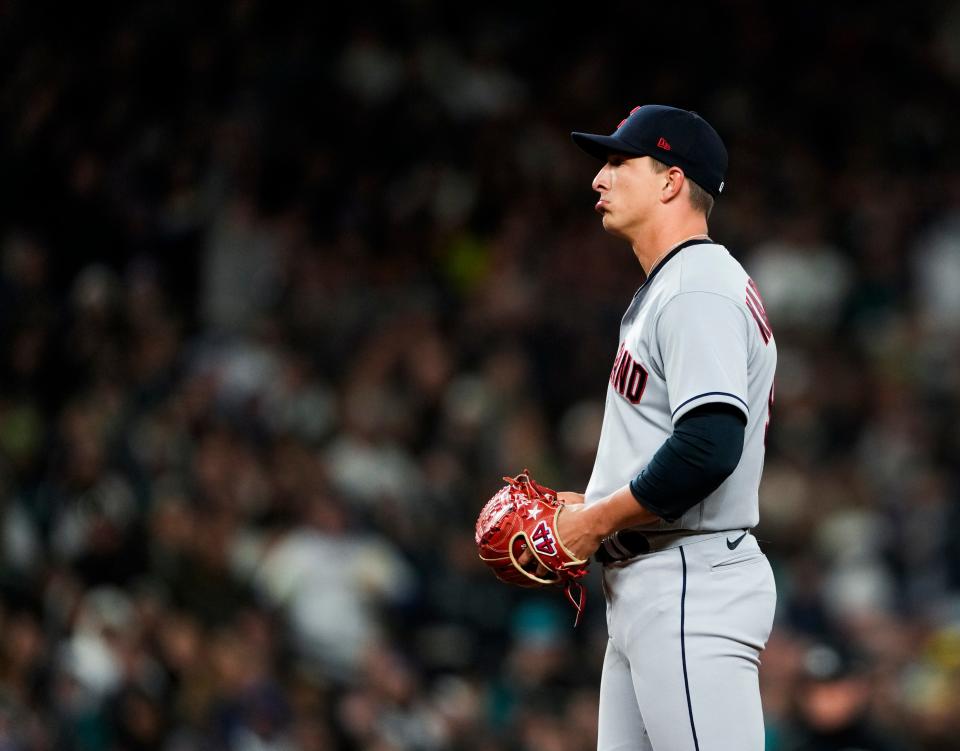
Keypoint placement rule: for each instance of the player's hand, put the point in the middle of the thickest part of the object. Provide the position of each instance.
(577, 527)
(573, 502)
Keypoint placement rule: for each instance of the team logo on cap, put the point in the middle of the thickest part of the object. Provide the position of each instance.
(627, 117)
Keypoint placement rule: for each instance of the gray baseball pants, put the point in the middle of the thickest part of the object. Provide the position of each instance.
(687, 623)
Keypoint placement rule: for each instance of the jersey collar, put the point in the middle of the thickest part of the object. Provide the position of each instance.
(673, 253)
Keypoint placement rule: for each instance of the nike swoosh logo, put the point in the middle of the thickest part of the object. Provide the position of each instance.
(733, 545)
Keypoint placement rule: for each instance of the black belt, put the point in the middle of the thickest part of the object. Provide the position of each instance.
(622, 545)
(628, 543)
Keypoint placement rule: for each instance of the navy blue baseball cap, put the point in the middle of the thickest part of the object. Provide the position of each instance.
(673, 136)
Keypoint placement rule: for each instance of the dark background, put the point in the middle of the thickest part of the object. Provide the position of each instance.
(285, 290)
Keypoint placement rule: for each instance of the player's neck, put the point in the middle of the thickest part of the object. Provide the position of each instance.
(652, 247)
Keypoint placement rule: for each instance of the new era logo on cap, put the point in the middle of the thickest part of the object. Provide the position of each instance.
(662, 143)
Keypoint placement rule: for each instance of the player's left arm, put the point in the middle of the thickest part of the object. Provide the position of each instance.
(703, 348)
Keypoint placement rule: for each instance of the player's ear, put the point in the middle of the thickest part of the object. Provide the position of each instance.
(673, 178)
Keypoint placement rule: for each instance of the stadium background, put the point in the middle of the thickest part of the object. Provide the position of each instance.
(284, 290)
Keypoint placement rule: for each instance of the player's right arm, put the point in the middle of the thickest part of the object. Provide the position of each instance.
(702, 452)
(582, 528)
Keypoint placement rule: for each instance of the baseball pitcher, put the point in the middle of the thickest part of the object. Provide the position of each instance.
(669, 507)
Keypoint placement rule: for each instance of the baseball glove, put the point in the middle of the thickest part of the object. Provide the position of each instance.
(523, 515)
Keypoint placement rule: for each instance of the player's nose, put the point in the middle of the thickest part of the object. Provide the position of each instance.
(600, 182)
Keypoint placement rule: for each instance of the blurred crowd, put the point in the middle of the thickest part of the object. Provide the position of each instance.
(283, 296)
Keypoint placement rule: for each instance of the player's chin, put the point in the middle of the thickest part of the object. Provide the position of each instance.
(609, 223)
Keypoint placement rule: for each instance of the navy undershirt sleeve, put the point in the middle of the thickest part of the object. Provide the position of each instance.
(703, 451)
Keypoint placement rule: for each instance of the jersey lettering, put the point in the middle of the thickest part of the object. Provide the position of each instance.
(628, 377)
(758, 311)
(543, 540)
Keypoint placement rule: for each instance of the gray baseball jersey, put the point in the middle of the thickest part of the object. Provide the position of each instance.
(695, 333)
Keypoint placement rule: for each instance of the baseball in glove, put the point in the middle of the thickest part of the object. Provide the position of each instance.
(523, 515)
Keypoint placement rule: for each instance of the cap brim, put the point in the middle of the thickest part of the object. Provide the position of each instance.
(601, 147)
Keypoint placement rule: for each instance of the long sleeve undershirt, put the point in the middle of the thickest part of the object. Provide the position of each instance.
(702, 452)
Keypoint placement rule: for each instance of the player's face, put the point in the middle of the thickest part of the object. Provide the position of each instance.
(628, 189)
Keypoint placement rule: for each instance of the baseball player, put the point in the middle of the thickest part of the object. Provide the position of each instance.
(669, 507)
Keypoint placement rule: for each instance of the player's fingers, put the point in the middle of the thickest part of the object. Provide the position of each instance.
(529, 563)
(570, 498)
(525, 558)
